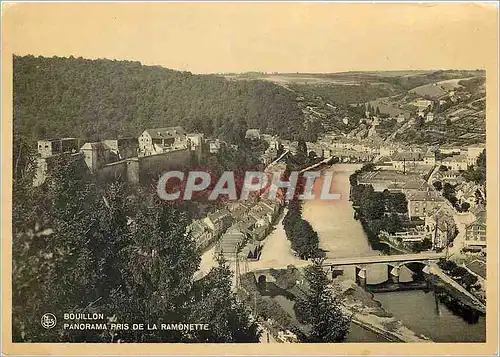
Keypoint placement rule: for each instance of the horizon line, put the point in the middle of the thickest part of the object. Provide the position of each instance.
(252, 71)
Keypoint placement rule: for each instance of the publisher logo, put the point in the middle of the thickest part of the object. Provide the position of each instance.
(48, 320)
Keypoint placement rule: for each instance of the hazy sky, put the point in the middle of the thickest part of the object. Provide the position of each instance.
(282, 37)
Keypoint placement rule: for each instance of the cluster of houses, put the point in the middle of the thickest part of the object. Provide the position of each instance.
(238, 229)
(409, 172)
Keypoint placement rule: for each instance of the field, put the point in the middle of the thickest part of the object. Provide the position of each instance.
(438, 89)
(284, 79)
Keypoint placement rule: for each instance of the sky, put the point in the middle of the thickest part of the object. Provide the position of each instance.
(266, 37)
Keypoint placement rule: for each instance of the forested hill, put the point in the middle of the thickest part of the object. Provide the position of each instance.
(100, 99)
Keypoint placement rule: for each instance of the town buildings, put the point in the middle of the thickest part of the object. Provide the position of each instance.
(407, 161)
(456, 162)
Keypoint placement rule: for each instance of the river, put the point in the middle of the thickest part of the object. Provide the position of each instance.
(342, 236)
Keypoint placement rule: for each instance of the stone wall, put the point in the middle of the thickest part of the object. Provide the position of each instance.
(143, 170)
(113, 171)
(152, 166)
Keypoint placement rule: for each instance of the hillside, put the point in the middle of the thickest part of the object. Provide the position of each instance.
(98, 99)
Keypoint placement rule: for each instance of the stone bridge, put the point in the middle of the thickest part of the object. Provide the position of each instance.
(394, 263)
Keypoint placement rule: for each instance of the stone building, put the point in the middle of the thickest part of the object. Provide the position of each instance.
(160, 140)
(52, 147)
(421, 202)
(96, 155)
(123, 148)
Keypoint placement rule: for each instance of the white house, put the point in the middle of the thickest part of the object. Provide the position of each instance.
(430, 158)
(160, 140)
(456, 162)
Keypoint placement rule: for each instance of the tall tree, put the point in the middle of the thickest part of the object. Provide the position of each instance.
(215, 304)
(158, 266)
(320, 307)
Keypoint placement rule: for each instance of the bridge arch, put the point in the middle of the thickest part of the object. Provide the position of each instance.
(262, 279)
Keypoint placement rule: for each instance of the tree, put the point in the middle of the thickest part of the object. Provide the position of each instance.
(281, 150)
(372, 206)
(448, 190)
(426, 244)
(216, 304)
(320, 308)
(459, 271)
(477, 174)
(110, 98)
(88, 248)
(304, 240)
(438, 185)
(469, 280)
(301, 151)
(158, 263)
(447, 265)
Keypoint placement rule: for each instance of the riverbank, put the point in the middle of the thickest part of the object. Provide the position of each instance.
(368, 313)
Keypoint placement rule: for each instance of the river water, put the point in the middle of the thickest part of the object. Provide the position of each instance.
(342, 236)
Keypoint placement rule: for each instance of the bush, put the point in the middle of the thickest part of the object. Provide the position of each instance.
(459, 272)
(447, 265)
(438, 185)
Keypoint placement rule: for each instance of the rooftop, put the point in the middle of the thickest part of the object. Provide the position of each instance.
(252, 134)
(410, 185)
(95, 146)
(58, 139)
(166, 133)
(425, 196)
(456, 158)
(406, 156)
(216, 216)
(386, 175)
